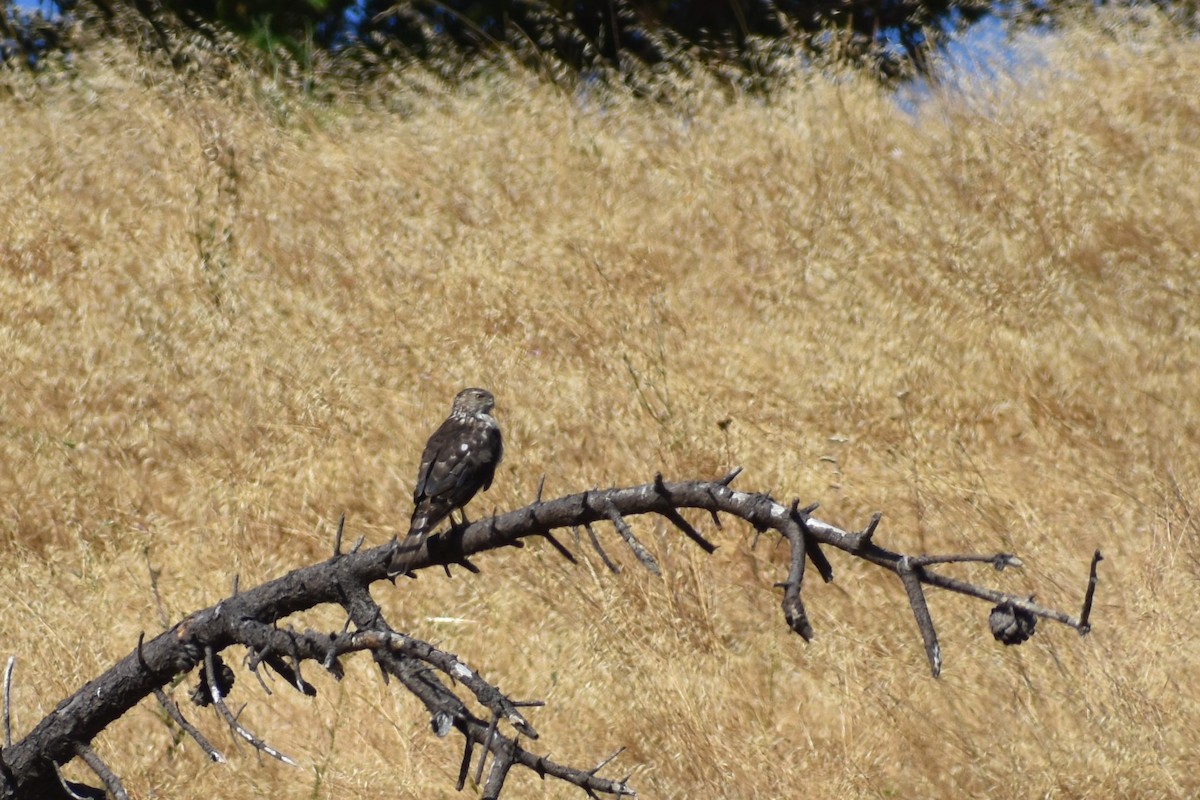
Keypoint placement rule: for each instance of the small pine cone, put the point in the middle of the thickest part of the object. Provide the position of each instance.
(201, 695)
(1011, 625)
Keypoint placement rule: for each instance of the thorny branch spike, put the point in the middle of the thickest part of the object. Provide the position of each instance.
(1085, 625)
(111, 782)
(69, 787)
(811, 548)
(683, 525)
(8, 673)
(141, 640)
(337, 537)
(607, 761)
(465, 767)
(639, 550)
(863, 540)
(916, 599)
(608, 562)
(191, 730)
(529, 704)
(557, 545)
(487, 746)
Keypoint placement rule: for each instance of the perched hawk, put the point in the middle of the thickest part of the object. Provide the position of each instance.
(459, 460)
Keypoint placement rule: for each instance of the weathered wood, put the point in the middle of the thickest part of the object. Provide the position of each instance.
(28, 767)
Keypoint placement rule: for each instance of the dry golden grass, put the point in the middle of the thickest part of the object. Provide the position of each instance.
(226, 322)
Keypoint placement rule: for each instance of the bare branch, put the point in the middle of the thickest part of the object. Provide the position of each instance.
(999, 560)
(111, 782)
(683, 525)
(8, 673)
(72, 789)
(557, 545)
(495, 781)
(441, 701)
(191, 730)
(811, 548)
(337, 537)
(983, 593)
(219, 704)
(448, 663)
(607, 761)
(863, 539)
(909, 576)
(492, 721)
(639, 550)
(793, 609)
(465, 767)
(596, 544)
(489, 742)
(1084, 625)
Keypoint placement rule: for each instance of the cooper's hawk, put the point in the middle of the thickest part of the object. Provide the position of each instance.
(459, 460)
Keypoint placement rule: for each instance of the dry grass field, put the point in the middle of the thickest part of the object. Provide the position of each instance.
(228, 315)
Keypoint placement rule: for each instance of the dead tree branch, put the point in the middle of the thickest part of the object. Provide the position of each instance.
(177, 717)
(249, 617)
(111, 782)
(8, 671)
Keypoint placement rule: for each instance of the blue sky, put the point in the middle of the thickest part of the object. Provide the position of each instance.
(30, 5)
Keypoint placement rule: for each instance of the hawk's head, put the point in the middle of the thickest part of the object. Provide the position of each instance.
(473, 402)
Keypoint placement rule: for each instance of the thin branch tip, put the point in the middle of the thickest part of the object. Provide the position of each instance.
(910, 577)
(111, 782)
(868, 533)
(1085, 625)
(606, 761)
(639, 550)
(337, 536)
(608, 562)
(176, 715)
(560, 547)
(690, 532)
(8, 674)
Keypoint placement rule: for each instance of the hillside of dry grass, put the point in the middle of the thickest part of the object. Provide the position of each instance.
(226, 322)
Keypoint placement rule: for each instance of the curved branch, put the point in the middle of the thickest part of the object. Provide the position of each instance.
(248, 618)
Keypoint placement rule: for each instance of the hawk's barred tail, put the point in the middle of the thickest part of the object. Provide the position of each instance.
(418, 529)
